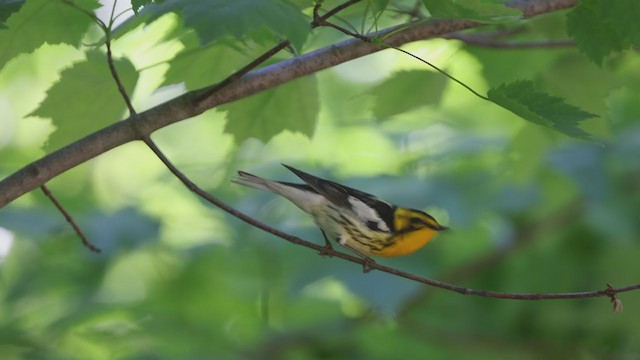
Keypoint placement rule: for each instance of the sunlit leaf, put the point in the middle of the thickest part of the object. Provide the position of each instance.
(86, 98)
(406, 90)
(522, 99)
(293, 106)
(44, 21)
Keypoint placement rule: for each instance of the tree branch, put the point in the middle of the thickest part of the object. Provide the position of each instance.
(191, 104)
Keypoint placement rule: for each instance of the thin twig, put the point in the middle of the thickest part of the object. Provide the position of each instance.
(44, 188)
(114, 73)
(86, 12)
(233, 77)
(348, 32)
(524, 236)
(442, 72)
(331, 12)
(611, 292)
(466, 291)
(106, 29)
(112, 66)
(240, 73)
(116, 76)
(369, 40)
(69, 219)
(334, 253)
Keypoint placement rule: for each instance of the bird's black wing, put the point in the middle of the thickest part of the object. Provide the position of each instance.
(385, 211)
(334, 192)
(375, 213)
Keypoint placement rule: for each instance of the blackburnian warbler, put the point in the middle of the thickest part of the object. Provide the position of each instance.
(361, 222)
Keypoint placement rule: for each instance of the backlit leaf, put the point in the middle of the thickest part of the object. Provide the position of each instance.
(406, 90)
(522, 99)
(85, 99)
(197, 67)
(44, 21)
(293, 106)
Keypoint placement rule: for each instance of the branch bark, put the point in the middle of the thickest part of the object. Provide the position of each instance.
(196, 102)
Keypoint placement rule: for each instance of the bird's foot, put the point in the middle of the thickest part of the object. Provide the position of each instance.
(326, 250)
(366, 265)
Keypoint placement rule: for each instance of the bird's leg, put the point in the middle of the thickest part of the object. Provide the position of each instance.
(325, 251)
(366, 265)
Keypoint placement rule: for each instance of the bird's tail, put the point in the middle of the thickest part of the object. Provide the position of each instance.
(246, 179)
(300, 194)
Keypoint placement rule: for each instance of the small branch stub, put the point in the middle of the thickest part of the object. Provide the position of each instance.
(617, 303)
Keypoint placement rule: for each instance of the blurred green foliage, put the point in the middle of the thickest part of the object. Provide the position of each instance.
(532, 210)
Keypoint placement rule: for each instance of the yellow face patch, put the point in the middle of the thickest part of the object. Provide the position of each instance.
(409, 219)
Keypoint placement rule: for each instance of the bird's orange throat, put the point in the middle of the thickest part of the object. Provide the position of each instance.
(408, 243)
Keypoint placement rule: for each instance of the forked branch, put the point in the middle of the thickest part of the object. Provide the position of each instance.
(196, 102)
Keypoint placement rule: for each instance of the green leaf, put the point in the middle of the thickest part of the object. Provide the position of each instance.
(522, 99)
(293, 106)
(489, 11)
(406, 90)
(137, 4)
(602, 27)
(86, 98)
(379, 5)
(44, 21)
(623, 107)
(260, 20)
(8, 7)
(622, 15)
(201, 66)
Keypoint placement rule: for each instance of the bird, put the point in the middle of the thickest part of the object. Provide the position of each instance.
(360, 222)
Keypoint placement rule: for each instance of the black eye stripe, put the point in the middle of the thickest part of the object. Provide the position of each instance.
(416, 222)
